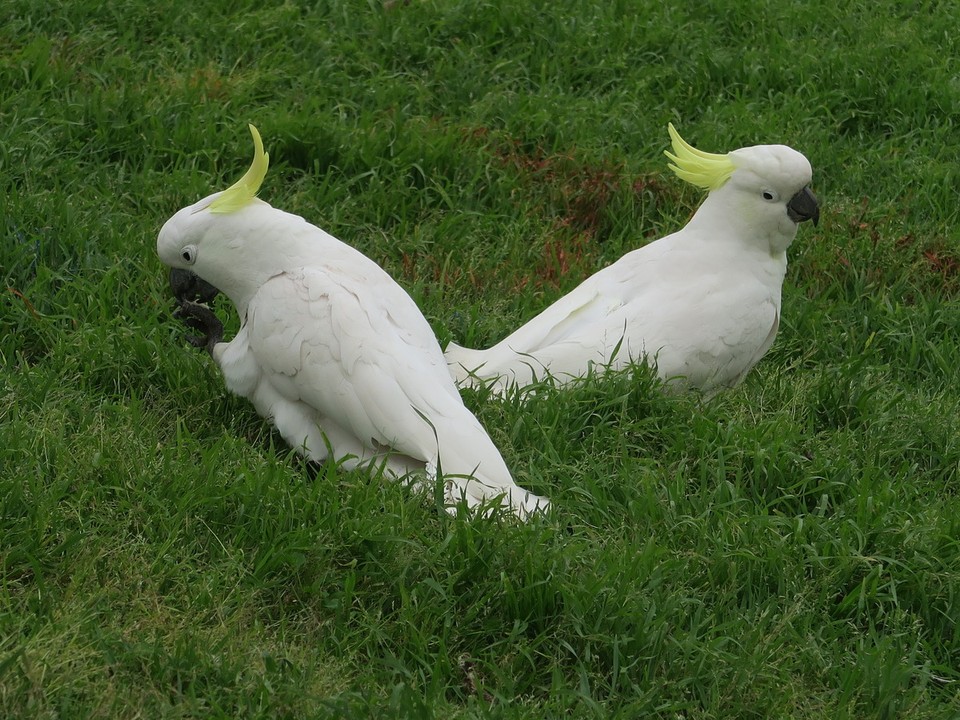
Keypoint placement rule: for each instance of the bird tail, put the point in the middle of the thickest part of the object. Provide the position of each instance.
(476, 492)
(474, 472)
(497, 368)
(466, 366)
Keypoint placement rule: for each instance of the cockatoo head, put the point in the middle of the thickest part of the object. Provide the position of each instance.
(760, 192)
(200, 243)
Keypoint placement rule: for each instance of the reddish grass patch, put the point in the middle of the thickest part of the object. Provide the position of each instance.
(576, 195)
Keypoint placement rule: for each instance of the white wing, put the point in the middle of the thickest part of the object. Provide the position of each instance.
(348, 359)
(583, 326)
(358, 351)
(682, 304)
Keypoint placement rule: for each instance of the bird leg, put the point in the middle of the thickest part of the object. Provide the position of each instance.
(193, 293)
(202, 319)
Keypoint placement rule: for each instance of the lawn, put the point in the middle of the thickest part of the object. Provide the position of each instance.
(787, 549)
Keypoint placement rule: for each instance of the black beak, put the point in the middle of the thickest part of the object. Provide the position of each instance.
(804, 206)
(188, 286)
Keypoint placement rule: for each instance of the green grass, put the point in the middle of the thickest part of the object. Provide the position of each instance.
(789, 549)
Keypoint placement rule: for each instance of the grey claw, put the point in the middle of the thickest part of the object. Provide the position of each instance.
(201, 318)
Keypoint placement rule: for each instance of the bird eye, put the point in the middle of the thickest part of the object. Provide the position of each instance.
(769, 195)
(189, 254)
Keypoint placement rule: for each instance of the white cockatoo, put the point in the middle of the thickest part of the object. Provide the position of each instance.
(702, 304)
(331, 350)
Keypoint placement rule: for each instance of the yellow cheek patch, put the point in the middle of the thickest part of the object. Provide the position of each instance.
(245, 189)
(703, 169)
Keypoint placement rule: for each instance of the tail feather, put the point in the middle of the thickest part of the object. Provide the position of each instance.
(466, 365)
(523, 503)
(474, 470)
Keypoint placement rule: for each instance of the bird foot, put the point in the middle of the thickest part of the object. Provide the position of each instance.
(202, 319)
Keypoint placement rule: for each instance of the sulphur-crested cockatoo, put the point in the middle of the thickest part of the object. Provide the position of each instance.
(330, 349)
(702, 304)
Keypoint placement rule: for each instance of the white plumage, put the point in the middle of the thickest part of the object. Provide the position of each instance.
(702, 304)
(331, 349)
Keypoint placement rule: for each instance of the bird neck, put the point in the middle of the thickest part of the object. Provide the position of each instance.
(726, 221)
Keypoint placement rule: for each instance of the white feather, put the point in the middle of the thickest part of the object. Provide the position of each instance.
(335, 353)
(702, 304)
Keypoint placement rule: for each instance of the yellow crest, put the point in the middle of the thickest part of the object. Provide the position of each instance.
(244, 189)
(703, 169)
